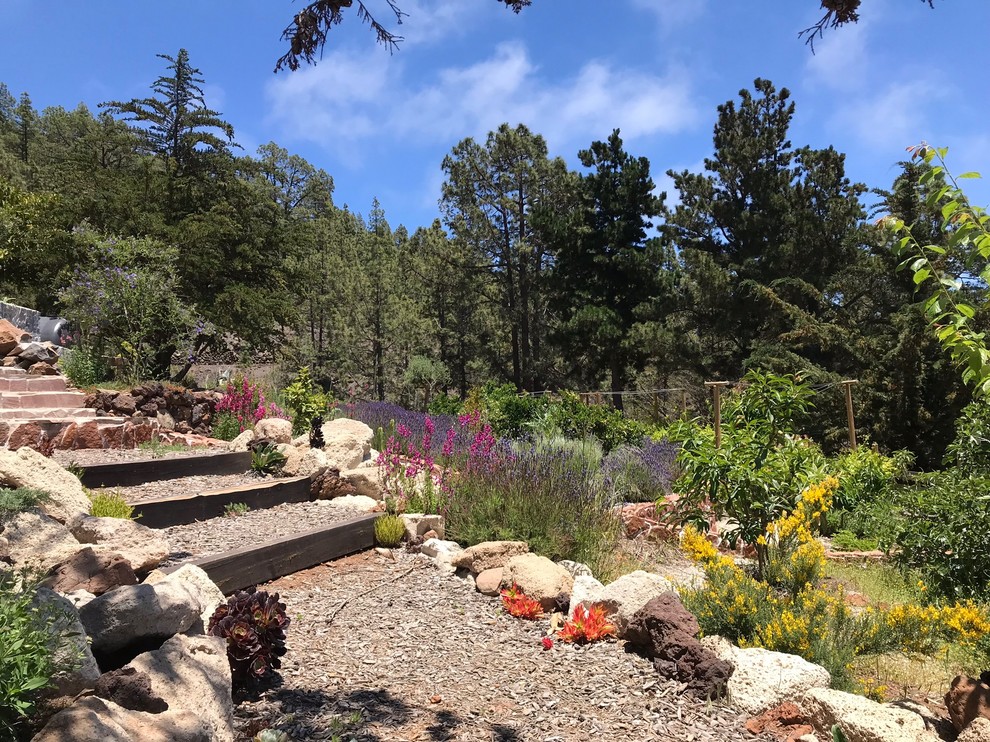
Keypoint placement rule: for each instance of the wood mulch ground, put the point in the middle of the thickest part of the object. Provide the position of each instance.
(93, 456)
(386, 649)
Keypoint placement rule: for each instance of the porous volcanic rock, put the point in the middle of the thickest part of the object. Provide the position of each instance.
(967, 699)
(663, 630)
(94, 573)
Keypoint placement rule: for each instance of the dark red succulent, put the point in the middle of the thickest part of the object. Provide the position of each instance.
(253, 623)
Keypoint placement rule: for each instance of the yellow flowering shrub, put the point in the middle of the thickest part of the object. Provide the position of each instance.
(790, 612)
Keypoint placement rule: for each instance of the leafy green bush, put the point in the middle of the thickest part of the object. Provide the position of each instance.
(444, 404)
(575, 419)
(267, 459)
(970, 451)
(13, 501)
(944, 534)
(504, 409)
(110, 505)
(306, 401)
(83, 366)
(866, 475)
(226, 427)
(755, 476)
(27, 652)
(389, 530)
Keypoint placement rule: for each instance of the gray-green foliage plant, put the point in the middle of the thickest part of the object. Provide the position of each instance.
(27, 652)
(970, 451)
(13, 501)
(761, 466)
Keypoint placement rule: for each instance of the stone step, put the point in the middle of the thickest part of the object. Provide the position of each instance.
(32, 384)
(50, 413)
(36, 400)
(12, 372)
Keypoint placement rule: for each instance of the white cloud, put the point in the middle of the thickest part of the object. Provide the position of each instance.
(840, 60)
(351, 98)
(672, 13)
(891, 119)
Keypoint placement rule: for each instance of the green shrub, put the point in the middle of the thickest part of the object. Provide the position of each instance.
(944, 534)
(110, 505)
(970, 451)
(267, 459)
(755, 476)
(389, 530)
(83, 366)
(306, 401)
(866, 475)
(13, 501)
(27, 652)
(225, 426)
(444, 404)
(234, 509)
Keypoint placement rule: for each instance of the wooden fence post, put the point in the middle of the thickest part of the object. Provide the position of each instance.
(717, 404)
(850, 419)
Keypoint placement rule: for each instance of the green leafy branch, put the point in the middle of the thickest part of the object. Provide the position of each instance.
(967, 239)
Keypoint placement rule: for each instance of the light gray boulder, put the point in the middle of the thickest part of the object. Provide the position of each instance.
(761, 679)
(626, 595)
(863, 720)
(192, 675)
(488, 555)
(242, 442)
(25, 467)
(538, 577)
(274, 429)
(200, 585)
(346, 442)
(133, 613)
(36, 540)
(145, 548)
(352, 502)
(69, 644)
(305, 463)
(418, 524)
(367, 480)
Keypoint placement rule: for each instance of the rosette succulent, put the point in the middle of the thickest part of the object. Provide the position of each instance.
(253, 623)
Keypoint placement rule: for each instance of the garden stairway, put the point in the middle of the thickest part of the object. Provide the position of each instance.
(39, 411)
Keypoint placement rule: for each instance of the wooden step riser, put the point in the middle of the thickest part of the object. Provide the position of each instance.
(131, 473)
(254, 565)
(176, 511)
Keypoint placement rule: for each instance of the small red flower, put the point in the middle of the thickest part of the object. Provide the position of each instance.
(547, 643)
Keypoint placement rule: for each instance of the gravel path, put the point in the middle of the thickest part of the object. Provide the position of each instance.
(187, 486)
(217, 535)
(388, 650)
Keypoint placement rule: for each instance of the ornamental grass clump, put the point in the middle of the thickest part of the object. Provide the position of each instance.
(254, 624)
(389, 530)
(110, 505)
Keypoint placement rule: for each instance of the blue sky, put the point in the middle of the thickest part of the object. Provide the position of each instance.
(568, 69)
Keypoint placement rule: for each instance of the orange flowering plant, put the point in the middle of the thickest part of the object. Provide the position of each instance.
(586, 625)
(520, 605)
